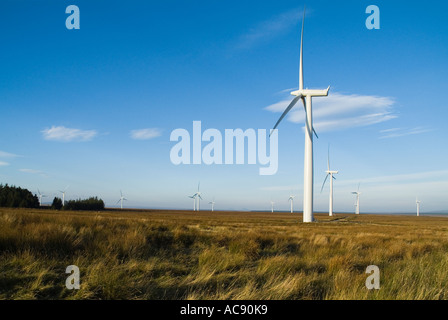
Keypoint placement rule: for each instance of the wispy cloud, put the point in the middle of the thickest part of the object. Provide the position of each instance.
(4, 154)
(426, 176)
(339, 111)
(268, 29)
(64, 134)
(33, 171)
(402, 132)
(3, 163)
(145, 134)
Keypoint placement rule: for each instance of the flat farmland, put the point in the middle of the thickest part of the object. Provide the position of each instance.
(167, 254)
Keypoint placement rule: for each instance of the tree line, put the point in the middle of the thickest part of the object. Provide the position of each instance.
(92, 203)
(16, 197)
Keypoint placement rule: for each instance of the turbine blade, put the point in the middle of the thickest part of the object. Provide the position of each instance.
(328, 160)
(118, 201)
(359, 186)
(293, 102)
(301, 53)
(323, 184)
(304, 107)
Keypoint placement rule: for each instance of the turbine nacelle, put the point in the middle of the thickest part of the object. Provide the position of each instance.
(311, 92)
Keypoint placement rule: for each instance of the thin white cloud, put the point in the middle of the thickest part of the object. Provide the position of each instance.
(64, 134)
(339, 111)
(441, 175)
(398, 179)
(4, 154)
(268, 29)
(145, 134)
(402, 132)
(3, 163)
(33, 171)
(30, 171)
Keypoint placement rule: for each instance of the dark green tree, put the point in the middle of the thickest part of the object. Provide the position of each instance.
(57, 204)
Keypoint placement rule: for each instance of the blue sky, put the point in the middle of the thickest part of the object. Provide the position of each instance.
(93, 108)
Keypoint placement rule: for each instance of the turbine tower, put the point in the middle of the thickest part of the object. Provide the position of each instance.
(330, 174)
(291, 200)
(63, 195)
(40, 197)
(272, 206)
(357, 199)
(306, 96)
(418, 207)
(122, 198)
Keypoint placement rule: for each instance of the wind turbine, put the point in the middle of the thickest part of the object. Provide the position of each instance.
(357, 198)
(63, 195)
(291, 200)
(272, 206)
(306, 96)
(197, 196)
(122, 198)
(40, 197)
(194, 201)
(418, 206)
(330, 174)
(213, 204)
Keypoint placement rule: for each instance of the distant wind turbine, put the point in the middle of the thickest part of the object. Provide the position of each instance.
(194, 201)
(213, 204)
(63, 195)
(122, 198)
(329, 174)
(272, 206)
(418, 207)
(291, 200)
(306, 96)
(357, 199)
(197, 196)
(40, 197)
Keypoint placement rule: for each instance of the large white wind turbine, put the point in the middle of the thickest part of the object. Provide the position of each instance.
(417, 202)
(63, 195)
(40, 197)
(291, 200)
(357, 199)
(122, 198)
(306, 96)
(330, 174)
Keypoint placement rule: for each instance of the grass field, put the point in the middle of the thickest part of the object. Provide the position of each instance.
(220, 255)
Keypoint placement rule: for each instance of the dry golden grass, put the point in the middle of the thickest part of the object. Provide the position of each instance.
(221, 255)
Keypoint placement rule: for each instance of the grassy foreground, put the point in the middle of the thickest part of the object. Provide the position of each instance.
(220, 255)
